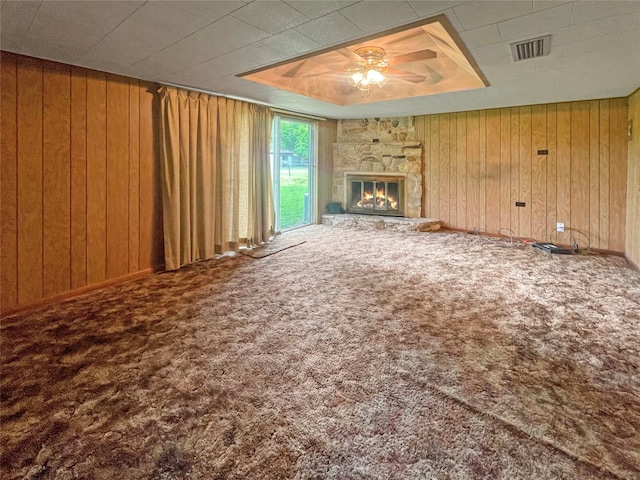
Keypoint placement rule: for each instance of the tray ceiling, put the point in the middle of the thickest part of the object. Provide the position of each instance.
(423, 59)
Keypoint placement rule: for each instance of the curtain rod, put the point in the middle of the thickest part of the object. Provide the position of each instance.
(296, 114)
(233, 97)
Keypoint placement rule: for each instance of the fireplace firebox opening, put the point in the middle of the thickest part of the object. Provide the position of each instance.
(375, 195)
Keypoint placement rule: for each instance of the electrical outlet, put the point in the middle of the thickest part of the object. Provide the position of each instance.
(560, 227)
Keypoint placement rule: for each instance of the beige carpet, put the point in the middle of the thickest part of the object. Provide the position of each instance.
(279, 244)
(359, 354)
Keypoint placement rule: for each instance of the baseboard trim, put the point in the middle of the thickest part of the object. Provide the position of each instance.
(11, 311)
(603, 251)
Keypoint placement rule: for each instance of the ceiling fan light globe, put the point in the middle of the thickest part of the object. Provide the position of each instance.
(374, 76)
(355, 78)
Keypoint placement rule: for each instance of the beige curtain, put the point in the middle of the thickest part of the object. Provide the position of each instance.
(216, 175)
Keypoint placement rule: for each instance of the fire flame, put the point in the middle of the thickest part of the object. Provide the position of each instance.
(381, 200)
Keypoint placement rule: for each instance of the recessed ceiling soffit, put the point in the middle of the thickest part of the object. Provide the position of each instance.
(423, 58)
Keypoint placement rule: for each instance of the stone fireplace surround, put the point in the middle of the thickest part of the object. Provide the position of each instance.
(379, 147)
(384, 147)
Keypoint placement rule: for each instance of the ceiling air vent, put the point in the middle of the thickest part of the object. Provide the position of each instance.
(536, 47)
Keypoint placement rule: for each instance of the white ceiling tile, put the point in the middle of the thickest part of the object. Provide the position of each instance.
(611, 45)
(205, 9)
(167, 16)
(492, 51)
(621, 23)
(427, 8)
(330, 29)
(130, 43)
(479, 37)
(576, 33)
(223, 36)
(149, 69)
(584, 11)
(488, 62)
(270, 16)
(15, 20)
(260, 54)
(535, 24)
(505, 71)
(318, 8)
(544, 4)
(480, 13)
(291, 43)
(72, 28)
(227, 66)
(375, 16)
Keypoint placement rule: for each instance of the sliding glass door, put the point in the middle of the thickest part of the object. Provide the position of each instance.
(293, 147)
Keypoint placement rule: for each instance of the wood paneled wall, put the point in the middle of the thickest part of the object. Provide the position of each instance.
(79, 183)
(633, 196)
(327, 134)
(478, 164)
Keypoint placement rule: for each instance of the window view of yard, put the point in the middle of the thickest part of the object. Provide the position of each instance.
(294, 187)
(294, 174)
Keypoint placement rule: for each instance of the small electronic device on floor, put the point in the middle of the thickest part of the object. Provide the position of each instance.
(552, 248)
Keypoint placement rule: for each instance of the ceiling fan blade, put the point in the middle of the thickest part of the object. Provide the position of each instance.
(319, 74)
(435, 76)
(345, 52)
(407, 76)
(413, 57)
(292, 72)
(403, 37)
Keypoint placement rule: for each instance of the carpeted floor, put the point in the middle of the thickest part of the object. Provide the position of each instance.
(358, 354)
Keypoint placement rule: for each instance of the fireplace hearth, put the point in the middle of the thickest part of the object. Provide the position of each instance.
(375, 195)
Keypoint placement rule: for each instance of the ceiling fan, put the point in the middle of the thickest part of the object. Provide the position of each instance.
(373, 68)
(370, 66)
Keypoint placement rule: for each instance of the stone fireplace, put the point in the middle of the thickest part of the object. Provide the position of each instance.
(377, 176)
(375, 195)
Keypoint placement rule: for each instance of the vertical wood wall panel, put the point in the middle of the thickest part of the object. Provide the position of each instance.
(473, 147)
(524, 214)
(604, 173)
(552, 170)
(538, 197)
(580, 167)
(594, 170)
(72, 179)
(134, 174)
(482, 175)
(117, 144)
(56, 179)
(505, 168)
(618, 170)
(515, 169)
(453, 166)
(443, 172)
(493, 171)
(78, 177)
(29, 132)
(8, 182)
(581, 182)
(434, 173)
(632, 248)
(461, 169)
(96, 177)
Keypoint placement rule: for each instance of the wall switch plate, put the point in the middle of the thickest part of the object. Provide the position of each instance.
(560, 227)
